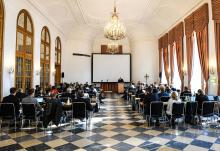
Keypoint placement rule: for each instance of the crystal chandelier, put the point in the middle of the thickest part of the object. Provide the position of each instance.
(113, 47)
(114, 30)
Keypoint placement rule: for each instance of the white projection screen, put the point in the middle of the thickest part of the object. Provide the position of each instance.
(110, 67)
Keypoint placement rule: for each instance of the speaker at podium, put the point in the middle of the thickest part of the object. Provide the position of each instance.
(121, 85)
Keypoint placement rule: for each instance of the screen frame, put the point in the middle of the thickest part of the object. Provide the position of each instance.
(110, 54)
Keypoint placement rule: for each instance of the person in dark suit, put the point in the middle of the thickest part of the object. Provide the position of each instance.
(120, 80)
(68, 94)
(163, 92)
(200, 98)
(20, 94)
(13, 99)
(81, 98)
(150, 97)
(186, 92)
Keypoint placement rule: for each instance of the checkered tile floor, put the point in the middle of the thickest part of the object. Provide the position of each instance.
(115, 127)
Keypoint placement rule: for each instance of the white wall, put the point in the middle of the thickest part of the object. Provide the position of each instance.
(145, 60)
(12, 9)
(77, 68)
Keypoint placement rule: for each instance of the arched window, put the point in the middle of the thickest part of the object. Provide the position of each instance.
(1, 39)
(163, 78)
(176, 77)
(196, 81)
(45, 58)
(24, 51)
(58, 60)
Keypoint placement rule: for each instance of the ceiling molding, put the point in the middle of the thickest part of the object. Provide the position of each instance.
(182, 17)
(44, 13)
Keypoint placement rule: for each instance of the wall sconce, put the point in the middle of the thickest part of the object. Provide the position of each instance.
(212, 71)
(212, 66)
(53, 72)
(184, 70)
(37, 72)
(11, 70)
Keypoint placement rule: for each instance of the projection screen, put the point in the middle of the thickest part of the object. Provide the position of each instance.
(110, 67)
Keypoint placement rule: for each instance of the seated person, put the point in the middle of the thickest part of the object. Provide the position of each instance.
(168, 90)
(53, 111)
(81, 98)
(54, 90)
(30, 99)
(200, 98)
(13, 99)
(92, 91)
(68, 94)
(39, 92)
(150, 97)
(139, 91)
(186, 92)
(173, 99)
(20, 94)
(162, 92)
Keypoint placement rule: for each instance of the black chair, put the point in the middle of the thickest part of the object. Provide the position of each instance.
(191, 111)
(187, 94)
(178, 111)
(65, 99)
(29, 114)
(207, 110)
(7, 114)
(164, 98)
(79, 112)
(156, 110)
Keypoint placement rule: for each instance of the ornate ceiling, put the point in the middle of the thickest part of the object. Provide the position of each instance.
(152, 16)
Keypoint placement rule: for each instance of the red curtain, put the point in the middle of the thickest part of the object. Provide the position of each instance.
(179, 54)
(217, 45)
(189, 54)
(216, 18)
(171, 63)
(202, 41)
(166, 64)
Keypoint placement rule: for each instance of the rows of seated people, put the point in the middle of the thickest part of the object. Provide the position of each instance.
(170, 95)
(62, 95)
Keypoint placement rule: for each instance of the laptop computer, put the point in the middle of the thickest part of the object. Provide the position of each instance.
(193, 98)
(211, 98)
(40, 100)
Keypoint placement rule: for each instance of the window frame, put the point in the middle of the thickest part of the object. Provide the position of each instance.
(23, 53)
(44, 61)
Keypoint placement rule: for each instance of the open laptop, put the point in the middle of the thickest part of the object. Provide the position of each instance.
(211, 98)
(193, 98)
(40, 100)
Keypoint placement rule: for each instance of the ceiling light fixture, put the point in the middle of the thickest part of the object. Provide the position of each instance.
(114, 30)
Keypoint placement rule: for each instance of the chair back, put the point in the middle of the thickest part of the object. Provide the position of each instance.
(29, 111)
(191, 108)
(64, 99)
(178, 109)
(79, 110)
(156, 109)
(164, 98)
(7, 111)
(208, 108)
(187, 94)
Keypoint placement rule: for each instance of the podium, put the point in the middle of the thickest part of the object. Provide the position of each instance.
(121, 87)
